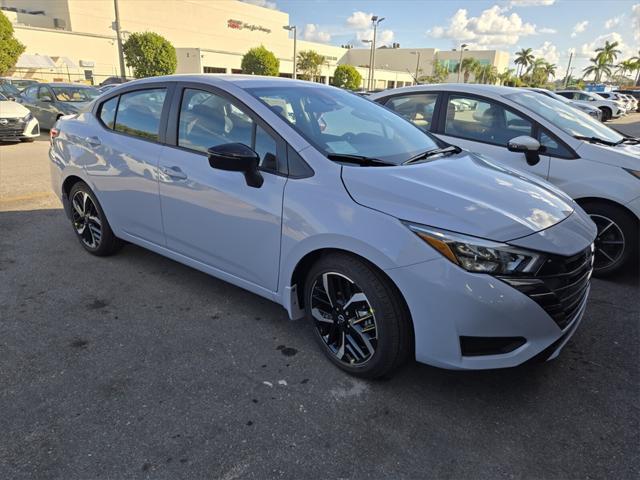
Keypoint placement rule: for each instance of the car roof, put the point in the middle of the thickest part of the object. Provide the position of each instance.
(239, 80)
(456, 87)
(64, 84)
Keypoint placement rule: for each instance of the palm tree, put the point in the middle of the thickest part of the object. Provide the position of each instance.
(636, 67)
(507, 77)
(550, 70)
(486, 74)
(608, 53)
(467, 67)
(524, 58)
(597, 69)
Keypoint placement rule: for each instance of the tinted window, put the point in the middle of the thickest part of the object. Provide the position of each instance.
(566, 94)
(483, 121)
(207, 120)
(30, 92)
(339, 122)
(44, 94)
(418, 109)
(139, 113)
(552, 147)
(108, 112)
(75, 94)
(265, 147)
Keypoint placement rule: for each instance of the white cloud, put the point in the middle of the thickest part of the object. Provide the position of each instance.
(262, 3)
(383, 37)
(531, 3)
(492, 28)
(635, 21)
(588, 49)
(547, 51)
(313, 33)
(547, 31)
(613, 22)
(359, 20)
(579, 28)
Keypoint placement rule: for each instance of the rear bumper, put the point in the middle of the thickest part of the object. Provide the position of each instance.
(448, 303)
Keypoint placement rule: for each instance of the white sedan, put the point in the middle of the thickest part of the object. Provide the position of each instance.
(16, 122)
(595, 165)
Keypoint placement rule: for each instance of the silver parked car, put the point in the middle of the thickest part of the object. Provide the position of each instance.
(390, 242)
(50, 101)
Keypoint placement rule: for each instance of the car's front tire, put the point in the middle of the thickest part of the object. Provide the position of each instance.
(617, 241)
(606, 114)
(90, 223)
(358, 316)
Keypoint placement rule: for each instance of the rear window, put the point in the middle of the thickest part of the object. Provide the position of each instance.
(108, 112)
(139, 113)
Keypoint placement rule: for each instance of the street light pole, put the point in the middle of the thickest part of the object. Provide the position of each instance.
(292, 28)
(417, 64)
(375, 21)
(462, 47)
(370, 60)
(566, 77)
(119, 38)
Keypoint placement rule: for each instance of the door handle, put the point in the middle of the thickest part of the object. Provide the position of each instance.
(93, 141)
(174, 172)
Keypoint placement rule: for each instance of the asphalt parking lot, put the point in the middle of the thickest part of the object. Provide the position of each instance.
(135, 366)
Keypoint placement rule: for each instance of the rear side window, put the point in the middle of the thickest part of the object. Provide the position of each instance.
(139, 113)
(417, 108)
(108, 112)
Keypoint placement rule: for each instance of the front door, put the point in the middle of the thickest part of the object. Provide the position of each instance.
(481, 125)
(211, 215)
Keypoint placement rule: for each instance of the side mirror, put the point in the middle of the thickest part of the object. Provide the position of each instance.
(527, 145)
(237, 157)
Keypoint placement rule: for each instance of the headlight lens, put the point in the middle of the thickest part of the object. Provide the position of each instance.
(478, 255)
(27, 118)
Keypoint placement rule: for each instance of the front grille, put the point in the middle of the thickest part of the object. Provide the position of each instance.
(559, 286)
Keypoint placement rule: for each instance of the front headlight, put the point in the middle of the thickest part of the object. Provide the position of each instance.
(27, 118)
(478, 255)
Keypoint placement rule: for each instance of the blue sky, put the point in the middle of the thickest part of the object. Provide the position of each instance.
(552, 28)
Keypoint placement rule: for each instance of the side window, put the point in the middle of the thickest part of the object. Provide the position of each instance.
(418, 109)
(44, 94)
(483, 121)
(108, 112)
(266, 147)
(31, 92)
(553, 147)
(581, 96)
(207, 120)
(139, 113)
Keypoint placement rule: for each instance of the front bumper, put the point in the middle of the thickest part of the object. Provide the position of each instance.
(12, 129)
(449, 305)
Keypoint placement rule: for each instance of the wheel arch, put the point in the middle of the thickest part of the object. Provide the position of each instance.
(606, 201)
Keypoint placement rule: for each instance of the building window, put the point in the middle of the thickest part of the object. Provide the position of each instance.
(236, 71)
(214, 70)
(285, 75)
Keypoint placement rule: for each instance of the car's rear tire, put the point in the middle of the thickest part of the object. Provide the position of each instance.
(89, 222)
(606, 114)
(358, 316)
(618, 240)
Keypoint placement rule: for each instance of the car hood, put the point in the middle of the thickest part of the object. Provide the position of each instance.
(463, 193)
(624, 155)
(9, 109)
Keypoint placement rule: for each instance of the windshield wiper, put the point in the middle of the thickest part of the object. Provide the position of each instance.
(629, 140)
(430, 153)
(359, 160)
(595, 140)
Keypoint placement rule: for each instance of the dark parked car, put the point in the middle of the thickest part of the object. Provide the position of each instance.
(50, 101)
(19, 83)
(9, 90)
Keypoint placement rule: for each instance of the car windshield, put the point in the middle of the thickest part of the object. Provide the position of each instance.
(337, 122)
(2, 97)
(566, 118)
(9, 89)
(75, 94)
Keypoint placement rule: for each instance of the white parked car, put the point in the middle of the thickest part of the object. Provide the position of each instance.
(595, 112)
(16, 122)
(633, 102)
(610, 109)
(620, 99)
(595, 165)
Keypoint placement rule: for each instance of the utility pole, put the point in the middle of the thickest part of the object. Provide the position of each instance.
(123, 73)
(417, 52)
(375, 21)
(566, 77)
(370, 62)
(292, 28)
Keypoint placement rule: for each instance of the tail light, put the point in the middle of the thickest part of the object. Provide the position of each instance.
(53, 133)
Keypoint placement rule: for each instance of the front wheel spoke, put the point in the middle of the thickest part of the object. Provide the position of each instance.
(361, 319)
(354, 346)
(605, 254)
(95, 220)
(609, 225)
(611, 242)
(327, 287)
(340, 352)
(319, 317)
(356, 298)
(365, 339)
(77, 207)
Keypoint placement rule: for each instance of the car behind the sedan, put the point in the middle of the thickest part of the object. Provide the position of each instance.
(16, 122)
(391, 243)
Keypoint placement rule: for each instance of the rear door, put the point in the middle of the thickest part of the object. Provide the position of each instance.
(125, 146)
(213, 216)
(483, 125)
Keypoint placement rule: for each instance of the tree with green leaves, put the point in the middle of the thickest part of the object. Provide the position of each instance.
(524, 58)
(149, 55)
(309, 63)
(608, 53)
(597, 68)
(486, 74)
(508, 78)
(10, 47)
(346, 76)
(467, 67)
(439, 74)
(636, 67)
(260, 61)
